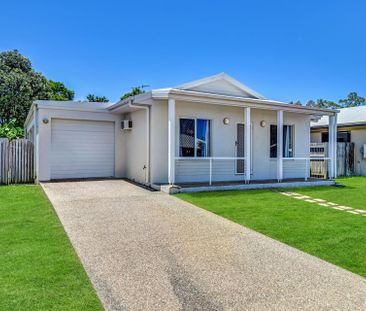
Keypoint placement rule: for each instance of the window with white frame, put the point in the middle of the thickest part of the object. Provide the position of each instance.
(288, 141)
(194, 137)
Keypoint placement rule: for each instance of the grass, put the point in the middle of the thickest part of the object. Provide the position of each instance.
(351, 193)
(39, 269)
(335, 236)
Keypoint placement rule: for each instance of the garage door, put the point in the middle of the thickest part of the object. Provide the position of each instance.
(82, 149)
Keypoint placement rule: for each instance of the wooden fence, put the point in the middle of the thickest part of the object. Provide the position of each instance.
(16, 161)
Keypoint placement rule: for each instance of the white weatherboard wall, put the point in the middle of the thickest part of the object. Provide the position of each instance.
(135, 147)
(44, 137)
(82, 149)
(358, 137)
(223, 139)
(159, 142)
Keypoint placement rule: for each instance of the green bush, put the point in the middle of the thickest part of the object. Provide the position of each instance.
(11, 131)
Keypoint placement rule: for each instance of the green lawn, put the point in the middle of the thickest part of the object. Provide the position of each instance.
(39, 269)
(336, 236)
(352, 193)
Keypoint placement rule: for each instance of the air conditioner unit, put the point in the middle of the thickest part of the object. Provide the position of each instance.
(126, 125)
(364, 151)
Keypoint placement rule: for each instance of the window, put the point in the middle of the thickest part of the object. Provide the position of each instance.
(194, 137)
(342, 137)
(288, 141)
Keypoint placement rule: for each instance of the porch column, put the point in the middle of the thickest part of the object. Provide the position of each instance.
(247, 143)
(279, 145)
(171, 141)
(332, 146)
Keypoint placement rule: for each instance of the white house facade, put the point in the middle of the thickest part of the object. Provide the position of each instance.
(210, 131)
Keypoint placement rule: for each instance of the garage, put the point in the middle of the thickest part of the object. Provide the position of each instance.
(82, 149)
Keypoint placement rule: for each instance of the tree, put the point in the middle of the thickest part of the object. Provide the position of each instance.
(19, 86)
(99, 99)
(297, 103)
(135, 91)
(323, 103)
(352, 100)
(11, 130)
(58, 91)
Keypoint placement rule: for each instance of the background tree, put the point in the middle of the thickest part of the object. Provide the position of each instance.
(19, 86)
(323, 103)
(352, 100)
(297, 103)
(99, 99)
(58, 91)
(135, 91)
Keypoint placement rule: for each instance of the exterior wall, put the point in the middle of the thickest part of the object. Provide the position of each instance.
(223, 138)
(265, 167)
(43, 138)
(358, 136)
(316, 137)
(135, 147)
(159, 142)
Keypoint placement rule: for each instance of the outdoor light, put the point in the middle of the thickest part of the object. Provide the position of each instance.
(263, 123)
(45, 120)
(226, 121)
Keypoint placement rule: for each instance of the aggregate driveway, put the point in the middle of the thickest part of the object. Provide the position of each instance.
(149, 251)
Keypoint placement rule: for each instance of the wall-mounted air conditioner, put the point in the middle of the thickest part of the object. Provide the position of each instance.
(364, 151)
(126, 125)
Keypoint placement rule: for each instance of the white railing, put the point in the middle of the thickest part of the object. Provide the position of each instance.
(313, 167)
(209, 169)
(231, 169)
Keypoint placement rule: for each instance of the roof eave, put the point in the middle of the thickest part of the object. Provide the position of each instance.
(253, 101)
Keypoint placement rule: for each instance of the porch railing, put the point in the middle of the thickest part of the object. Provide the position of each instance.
(313, 167)
(231, 169)
(210, 169)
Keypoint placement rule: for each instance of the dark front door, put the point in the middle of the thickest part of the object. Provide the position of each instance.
(240, 164)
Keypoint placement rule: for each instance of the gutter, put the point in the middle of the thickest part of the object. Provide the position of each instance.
(353, 124)
(148, 137)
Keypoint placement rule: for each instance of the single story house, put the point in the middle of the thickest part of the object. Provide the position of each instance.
(208, 131)
(351, 129)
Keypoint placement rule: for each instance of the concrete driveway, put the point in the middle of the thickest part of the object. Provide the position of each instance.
(149, 251)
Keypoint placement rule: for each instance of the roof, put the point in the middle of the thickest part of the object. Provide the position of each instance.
(218, 89)
(220, 84)
(347, 117)
(70, 104)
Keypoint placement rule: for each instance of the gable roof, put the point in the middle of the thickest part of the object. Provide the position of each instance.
(220, 84)
(347, 117)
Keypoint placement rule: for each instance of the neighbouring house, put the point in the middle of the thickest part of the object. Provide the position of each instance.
(351, 130)
(215, 131)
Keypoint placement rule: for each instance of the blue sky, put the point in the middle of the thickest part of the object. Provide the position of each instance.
(285, 50)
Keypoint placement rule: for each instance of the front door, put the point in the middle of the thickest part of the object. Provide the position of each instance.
(240, 164)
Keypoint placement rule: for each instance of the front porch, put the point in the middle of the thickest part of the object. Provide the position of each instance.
(226, 147)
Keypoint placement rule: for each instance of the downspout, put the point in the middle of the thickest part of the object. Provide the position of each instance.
(148, 137)
(36, 142)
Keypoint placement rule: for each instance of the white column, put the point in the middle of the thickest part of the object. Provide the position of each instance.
(247, 143)
(332, 146)
(335, 144)
(279, 145)
(171, 141)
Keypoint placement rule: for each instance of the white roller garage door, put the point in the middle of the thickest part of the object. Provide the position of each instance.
(82, 149)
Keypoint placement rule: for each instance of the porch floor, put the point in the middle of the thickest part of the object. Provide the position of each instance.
(241, 185)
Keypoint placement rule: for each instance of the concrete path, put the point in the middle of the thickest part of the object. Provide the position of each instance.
(150, 251)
